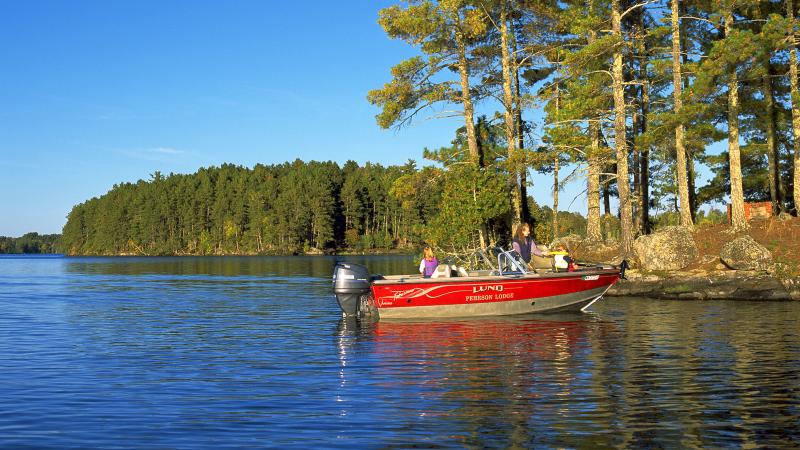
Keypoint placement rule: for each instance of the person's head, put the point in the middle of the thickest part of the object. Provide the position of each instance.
(428, 253)
(523, 231)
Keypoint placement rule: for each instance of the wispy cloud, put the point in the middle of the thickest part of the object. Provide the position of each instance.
(160, 154)
(166, 150)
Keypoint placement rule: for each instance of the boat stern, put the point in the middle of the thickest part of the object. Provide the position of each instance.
(350, 283)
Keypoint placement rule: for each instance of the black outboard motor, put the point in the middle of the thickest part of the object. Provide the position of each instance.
(350, 282)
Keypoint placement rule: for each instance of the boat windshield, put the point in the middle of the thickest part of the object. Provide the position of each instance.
(509, 262)
(492, 259)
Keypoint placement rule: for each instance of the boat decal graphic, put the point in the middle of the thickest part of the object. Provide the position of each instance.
(419, 292)
(448, 290)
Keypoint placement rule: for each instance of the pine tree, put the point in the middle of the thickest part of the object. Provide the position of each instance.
(680, 148)
(443, 31)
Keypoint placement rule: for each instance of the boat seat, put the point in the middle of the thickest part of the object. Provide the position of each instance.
(462, 272)
(442, 271)
(541, 262)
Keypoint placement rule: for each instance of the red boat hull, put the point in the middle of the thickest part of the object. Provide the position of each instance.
(490, 296)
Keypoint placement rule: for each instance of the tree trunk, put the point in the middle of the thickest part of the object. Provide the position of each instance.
(523, 173)
(636, 199)
(606, 187)
(680, 149)
(795, 104)
(593, 232)
(738, 221)
(469, 111)
(690, 168)
(641, 156)
(626, 219)
(593, 229)
(772, 147)
(555, 198)
(508, 103)
(644, 164)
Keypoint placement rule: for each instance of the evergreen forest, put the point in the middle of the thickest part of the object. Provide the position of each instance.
(624, 97)
(289, 208)
(30, 243)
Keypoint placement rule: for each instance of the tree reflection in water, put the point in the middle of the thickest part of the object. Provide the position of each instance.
(498, 378)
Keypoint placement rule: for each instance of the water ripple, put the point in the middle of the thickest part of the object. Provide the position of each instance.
(252, 352)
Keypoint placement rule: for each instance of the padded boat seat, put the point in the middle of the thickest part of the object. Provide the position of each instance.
(442, 271)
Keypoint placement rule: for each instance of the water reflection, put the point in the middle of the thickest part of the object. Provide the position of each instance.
(489, 380)
(235, 266)
(636, 373)
(217, 352)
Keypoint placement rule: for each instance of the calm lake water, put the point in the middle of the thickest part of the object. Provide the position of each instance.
(252, 352)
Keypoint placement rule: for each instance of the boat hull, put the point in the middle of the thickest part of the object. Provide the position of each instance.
(491, 296)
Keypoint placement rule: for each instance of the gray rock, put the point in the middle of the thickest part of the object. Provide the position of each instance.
(715, 286)
(571, 241)
(672, 248)
(744, 253)
(792, 286)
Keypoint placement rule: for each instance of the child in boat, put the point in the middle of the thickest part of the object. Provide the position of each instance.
(562, 258)
(428, 264)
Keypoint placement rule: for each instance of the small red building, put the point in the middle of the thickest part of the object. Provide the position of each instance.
(754, 210)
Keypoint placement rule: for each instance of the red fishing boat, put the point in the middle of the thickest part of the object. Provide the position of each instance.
(503, 289)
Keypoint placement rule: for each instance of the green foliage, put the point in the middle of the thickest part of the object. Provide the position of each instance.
(754, 176)
(470, 197)
(712, 217)
(421, 82)
(286, 208)
(30, 243)
(568, 223)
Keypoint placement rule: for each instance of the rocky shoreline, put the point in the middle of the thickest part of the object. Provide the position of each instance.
(669, 264)
(702, 285)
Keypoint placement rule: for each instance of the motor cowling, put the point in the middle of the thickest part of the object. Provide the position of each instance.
(350, 282)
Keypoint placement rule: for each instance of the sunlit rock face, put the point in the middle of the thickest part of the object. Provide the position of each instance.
(744, 253)
(672, 248)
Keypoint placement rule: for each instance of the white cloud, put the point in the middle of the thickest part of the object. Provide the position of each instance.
(166, 150)
(160, 154)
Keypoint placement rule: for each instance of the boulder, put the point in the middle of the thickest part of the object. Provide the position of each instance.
(570, 241)
(744, 253)
(671, 248)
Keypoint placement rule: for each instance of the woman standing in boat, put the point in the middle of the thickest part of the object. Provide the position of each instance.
(524, 244)
(428, 264)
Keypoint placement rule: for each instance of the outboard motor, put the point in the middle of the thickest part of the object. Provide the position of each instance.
(350, 282)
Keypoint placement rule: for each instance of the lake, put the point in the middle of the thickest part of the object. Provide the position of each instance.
(252, 352)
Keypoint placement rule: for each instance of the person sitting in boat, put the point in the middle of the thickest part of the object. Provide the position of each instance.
(428, 264)
(562, 258)
(524, 244)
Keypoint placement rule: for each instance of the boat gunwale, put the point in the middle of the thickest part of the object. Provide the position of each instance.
(418, 279)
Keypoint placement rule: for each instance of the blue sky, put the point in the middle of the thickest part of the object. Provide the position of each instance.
(94, 93)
